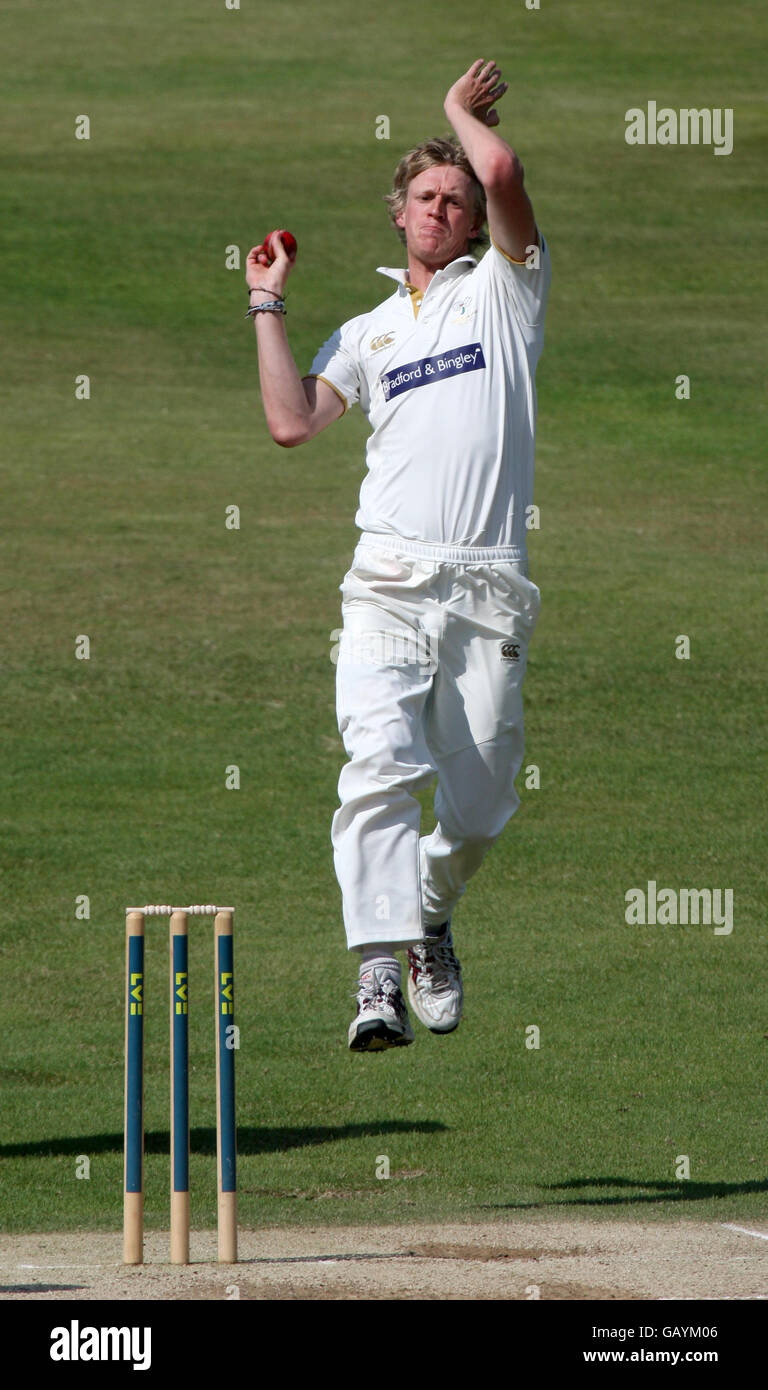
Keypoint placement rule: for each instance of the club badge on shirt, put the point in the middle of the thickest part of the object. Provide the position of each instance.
(463, 310)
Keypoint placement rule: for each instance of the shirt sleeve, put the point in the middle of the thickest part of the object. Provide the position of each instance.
(526, 286)
(336, 363)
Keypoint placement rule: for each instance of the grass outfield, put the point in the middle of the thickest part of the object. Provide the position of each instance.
(210, 647)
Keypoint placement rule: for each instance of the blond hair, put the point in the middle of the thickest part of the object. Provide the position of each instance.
(427, 156)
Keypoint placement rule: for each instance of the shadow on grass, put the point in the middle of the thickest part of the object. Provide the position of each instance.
(11, 1289)
(250, 1139)
(664, 1190)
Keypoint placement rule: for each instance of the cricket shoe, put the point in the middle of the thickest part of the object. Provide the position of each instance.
(382, 1016)
(434, 983)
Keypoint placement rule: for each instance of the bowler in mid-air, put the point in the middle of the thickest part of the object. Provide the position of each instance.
(438, 609)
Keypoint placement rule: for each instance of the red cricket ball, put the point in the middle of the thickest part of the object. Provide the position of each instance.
(288, 240)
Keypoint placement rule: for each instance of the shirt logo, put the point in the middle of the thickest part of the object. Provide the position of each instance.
(462, 310)
(426, 370)
(510, 651)
(383, 340)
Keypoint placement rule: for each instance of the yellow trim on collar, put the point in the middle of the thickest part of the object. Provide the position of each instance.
(416, 296)
(318, 376)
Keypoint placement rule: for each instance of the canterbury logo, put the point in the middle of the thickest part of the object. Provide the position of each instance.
(510, 651)
(383, 340)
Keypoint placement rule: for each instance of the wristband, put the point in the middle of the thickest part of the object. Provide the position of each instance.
(275, 306)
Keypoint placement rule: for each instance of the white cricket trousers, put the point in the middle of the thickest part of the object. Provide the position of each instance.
(429, 675)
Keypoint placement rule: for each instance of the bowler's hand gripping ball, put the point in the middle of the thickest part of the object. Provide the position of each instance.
(288, 240)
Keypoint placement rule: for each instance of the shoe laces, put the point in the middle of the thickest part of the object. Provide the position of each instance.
(437, 963)
(371, 990)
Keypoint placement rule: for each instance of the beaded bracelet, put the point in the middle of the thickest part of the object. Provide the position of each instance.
(274, 306)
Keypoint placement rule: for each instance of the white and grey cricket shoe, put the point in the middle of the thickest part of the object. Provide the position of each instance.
(382, 1016)
(434, 983)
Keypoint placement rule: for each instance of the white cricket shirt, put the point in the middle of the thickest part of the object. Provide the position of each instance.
(447, 383)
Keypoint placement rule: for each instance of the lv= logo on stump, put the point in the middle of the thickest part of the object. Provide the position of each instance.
(226, 1131)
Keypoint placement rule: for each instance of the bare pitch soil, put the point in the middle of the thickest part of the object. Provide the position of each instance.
(514, 1260)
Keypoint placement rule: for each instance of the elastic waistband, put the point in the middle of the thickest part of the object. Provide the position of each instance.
(427, 550)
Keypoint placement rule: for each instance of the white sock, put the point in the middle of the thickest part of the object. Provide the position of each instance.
(376, 957)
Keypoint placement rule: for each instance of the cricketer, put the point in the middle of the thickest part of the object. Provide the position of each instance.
(438, 609)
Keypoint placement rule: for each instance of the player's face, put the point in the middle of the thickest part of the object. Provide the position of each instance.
(439, 215)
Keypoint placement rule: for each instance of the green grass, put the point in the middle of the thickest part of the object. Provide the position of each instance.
(210, 646)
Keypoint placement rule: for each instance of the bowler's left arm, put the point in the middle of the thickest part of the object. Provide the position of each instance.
(469, 106)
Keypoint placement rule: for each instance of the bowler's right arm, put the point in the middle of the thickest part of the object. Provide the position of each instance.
(296, 409)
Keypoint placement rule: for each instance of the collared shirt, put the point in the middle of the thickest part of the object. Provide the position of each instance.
(446, 380)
